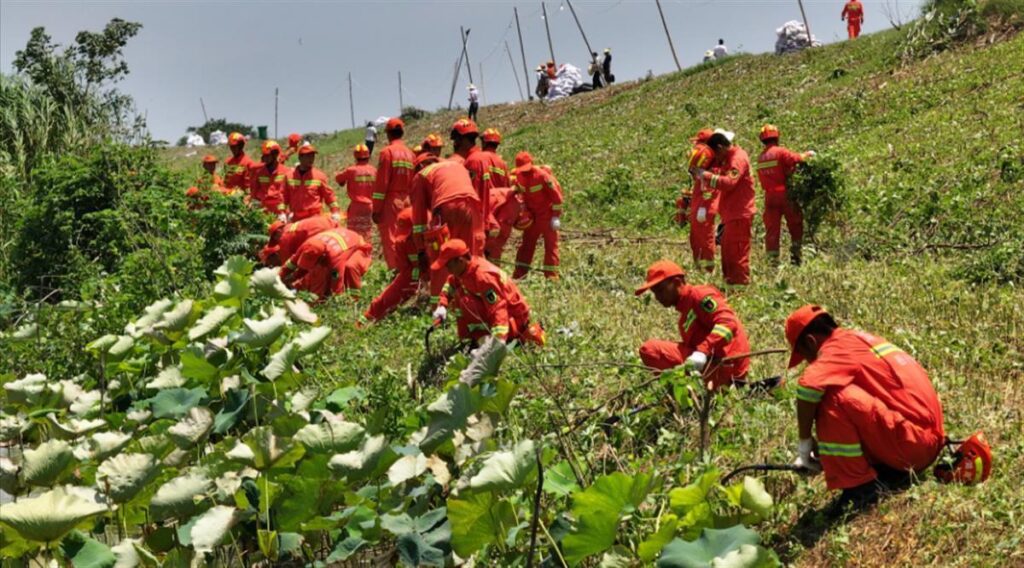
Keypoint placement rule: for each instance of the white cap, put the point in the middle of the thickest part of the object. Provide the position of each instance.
(728, 135)
(471, 86)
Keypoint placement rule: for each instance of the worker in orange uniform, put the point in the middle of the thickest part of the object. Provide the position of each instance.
(774, 166)
(730, 177)
(703, 206)
(329, 263)
(874, 410)
(498, 169)
(413, 270)
(488, 302)
(507, 212)
(853, 13)
(391, 194)
(286, 238)
(542, 195)
(294, 140)
(433, 144)
(307, 190)
(443, 195)
(236, 168)
(268, 179)
(359, 181)
(206, 182)
(710, 329)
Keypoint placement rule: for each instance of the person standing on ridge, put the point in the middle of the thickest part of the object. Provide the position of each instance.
(875, 412)
(391, 194)
(307, 190)
(359, 181)
(543, 197)
(606, 66)
(720, 51)
(709, 328)
(730, 176)
(774, 167)
(370, 137)
(236, 168)
(853, 13)
(474, 101)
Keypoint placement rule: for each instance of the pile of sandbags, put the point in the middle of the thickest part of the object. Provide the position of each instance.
(792, 36)
(193, 140)
(567, 82)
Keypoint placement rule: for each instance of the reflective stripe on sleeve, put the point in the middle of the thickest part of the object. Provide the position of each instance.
(883, 349)
(379, 196)
(722, 331)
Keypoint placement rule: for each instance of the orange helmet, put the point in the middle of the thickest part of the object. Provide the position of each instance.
(492, 135)
(769, 131)
(210, 159)
(417, 149)
(465, 126)
(523, 220)
(307, 149)
(424, 160)
(972, 462)
(270, 146)
(523, 159)
(236, 138)
(293, 139)
(700, 157)
(702, 135)
(361, 152)
(394, 124)
(433, 141)
(404, 220)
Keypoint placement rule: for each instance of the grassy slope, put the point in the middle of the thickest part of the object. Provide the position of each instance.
(947, 119)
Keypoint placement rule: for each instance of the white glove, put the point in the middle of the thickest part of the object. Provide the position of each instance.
(811, 153)
(702, 214)
(804, 458)
(699, 173)
(282, 217)
(440, 314)
(556, 223)
(336, 217)
(697, 360)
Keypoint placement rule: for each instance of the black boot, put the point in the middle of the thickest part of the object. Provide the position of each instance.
(854, 500)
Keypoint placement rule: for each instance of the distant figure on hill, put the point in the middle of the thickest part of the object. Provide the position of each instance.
(853, 13)
(370, 138)
(595, 71)
(474, 101)
(720, 50)
(542, 83)
(606, 65)
(708, 56)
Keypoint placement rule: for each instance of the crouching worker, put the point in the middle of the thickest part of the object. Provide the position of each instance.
(710, 329)
(873, 408)
(331, 262)
(285, 238)
(487, 301)
(412, 272)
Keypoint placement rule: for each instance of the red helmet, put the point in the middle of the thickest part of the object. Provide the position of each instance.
(361, 152)
(294, 139)
(236, 138)
(702, 135)
(769, 131)
(523, 220)
(700, 157)
(492, 135)
(424, 160)
(523, 159)
(270, 146)
(465, 126)
(972, 462)
(432, 141)
(394, 124)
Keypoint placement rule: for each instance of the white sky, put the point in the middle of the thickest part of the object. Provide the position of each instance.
(233, 53)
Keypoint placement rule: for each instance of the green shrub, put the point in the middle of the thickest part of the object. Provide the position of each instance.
(819, 188)
(942, 25)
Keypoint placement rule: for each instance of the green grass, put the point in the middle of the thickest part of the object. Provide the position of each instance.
(921, 146)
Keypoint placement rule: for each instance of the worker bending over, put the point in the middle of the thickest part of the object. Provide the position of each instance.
(507, 212)
(329, 263)
(710, 329)
(286, 238)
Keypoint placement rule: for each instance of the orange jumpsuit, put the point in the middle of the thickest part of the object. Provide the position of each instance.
(702, 234)
(443, 194)
(543, 197)
(306, 193)
(359, 181)
(291, 236)
(707, 324)
(478, 164)
(488, 303)
(506, 204)
(267, 186)
(774, 166)
(731, 178)
(236, 172)
(876, 405)
(853, 13)
(328, 263)
(391, 194)
(412, 271)
(498, 169)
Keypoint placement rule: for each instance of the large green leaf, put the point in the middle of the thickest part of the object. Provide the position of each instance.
(311, 339)
(193, 428)
(11, 427)
(477, 520)
(300, 311)
(650, 548)
(29, 390)
(560, 480)
(131, 553)
(359, 464)
(232, 289)
(484, 362)
(281, 361)
(124, 475)
(233, 409)
(734, 547)
(44, 464)
(331, 436)
(682, 499)
(178, 497)
(260, 333)
(152, 314)
(269, 450)
(167, 378)
(448, 414)
(85, 552)
(73, 428)
(267, 282)
(176, 403)
(211, 527)
(194, 364)
(178, 318)
(754, 498)
(49, 516)
(101, 445)
(598, 510)
(506, 470)
(211, 322)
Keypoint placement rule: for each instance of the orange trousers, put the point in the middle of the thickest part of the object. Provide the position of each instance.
(462, 216)
(541, 227)
(736, 252)
(663, 355)
(856, 430)
(702, 239)
(853, 29)
(389, 231)
(325, 280)
(400, 290)
(360, 220)
(777, 208)
(496, 240)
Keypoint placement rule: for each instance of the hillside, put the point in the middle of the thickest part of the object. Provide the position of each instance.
(928, 254)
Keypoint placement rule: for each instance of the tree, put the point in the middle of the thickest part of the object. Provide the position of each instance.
(215, 124)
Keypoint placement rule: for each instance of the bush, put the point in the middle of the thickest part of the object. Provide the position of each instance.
(819, 188)
(942, 25)
(412, 113)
